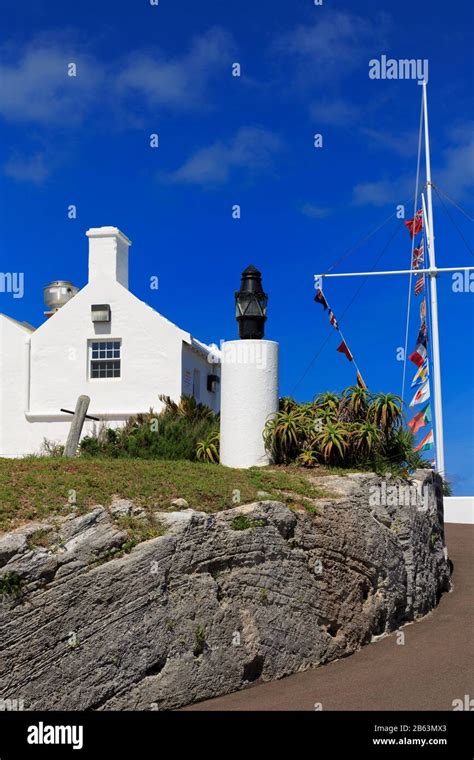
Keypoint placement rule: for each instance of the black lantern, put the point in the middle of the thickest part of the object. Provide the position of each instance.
(251, 305)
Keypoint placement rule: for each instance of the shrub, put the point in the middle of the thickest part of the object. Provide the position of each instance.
(354, 428)
(184, 431)
(286, 433)
(51, 448)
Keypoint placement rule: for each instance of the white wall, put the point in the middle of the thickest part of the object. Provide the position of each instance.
(154, 357)
(459, 509)
(192, 360)
(150, 355)
(17, 436)
(249, 397)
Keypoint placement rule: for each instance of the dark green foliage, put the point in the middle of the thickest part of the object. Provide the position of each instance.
(175, 433)
(356, 429)
(10, 584)
(242, 522)
(447, 488)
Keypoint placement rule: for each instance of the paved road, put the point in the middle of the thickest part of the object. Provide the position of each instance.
(434, 667)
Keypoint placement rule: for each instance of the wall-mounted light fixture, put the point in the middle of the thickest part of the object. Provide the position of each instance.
(212, 383)
(100, 312)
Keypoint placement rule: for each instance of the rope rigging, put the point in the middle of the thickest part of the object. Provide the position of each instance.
(436, 189)
(351, 302)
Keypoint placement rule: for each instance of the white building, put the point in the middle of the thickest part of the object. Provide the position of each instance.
(103, 342)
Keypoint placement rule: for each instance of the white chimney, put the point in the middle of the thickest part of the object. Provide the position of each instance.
(108, 254)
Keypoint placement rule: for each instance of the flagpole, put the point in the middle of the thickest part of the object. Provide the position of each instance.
(432, 272)
(438, 406)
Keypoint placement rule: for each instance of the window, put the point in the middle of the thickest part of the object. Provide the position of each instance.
(104, 359)
(196, 384)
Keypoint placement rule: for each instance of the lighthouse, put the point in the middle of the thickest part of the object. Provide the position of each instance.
(249, 379)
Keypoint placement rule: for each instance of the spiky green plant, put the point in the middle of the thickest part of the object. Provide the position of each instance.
(355, 401)
(328, 400)
(398, 448)
(307, 458)
(207, 449)
(284, 433)
(365, 437)
(286, 404)
(386, 410)
(333, 442)
(188, 408)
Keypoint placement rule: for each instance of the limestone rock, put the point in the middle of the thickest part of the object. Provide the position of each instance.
(212, 605)
(126, 508)
(179, 503)
(121, 507)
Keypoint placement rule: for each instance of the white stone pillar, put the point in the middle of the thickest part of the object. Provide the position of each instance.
(249, 396)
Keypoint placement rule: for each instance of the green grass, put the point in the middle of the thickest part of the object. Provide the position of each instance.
(41, 538)
(10, 584)
(137, 530)
(242, 522)
(36, 488)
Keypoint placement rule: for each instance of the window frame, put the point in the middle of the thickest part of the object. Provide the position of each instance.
(91, 359)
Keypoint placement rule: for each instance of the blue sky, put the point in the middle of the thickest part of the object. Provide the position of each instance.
(249, 141)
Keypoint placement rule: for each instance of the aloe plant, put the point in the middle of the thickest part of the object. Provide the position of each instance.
(387, 411)
(353, 428)
(333, 442)
(207, 450)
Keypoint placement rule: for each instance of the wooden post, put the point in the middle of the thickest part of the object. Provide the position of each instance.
(77, 423)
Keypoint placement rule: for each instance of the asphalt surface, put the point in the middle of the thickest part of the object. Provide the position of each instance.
(434, 666)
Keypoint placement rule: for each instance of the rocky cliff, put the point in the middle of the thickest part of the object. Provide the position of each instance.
(216, 602)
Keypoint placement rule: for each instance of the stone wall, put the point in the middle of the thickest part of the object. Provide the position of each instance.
(217, 602)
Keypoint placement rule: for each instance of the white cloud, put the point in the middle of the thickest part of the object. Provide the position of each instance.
(334, 45)
(180, 82)
(315, 212)
(37, 87)
(455, 172)
(251, 149)
(335, 113)
(35, 168)
(383, 192)
(404, 144)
